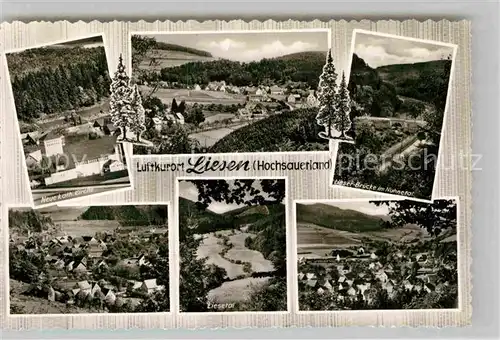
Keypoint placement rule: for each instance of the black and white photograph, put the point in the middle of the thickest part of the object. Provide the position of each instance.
(228, 92)
(89, 259)
(232, 238)
(71, 145)
(377, 255)
(397, 91)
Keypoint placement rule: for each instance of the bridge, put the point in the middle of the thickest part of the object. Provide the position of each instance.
(393, 121)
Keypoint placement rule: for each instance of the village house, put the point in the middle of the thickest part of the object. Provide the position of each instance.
(291, 98)
(176, 118)
(180, 118)
(83, 286)
(30, 138)
(142, 260)
(96, 289)
(158, 123)
(328, 285)
(197, 87)
(215, 86)
(235, 90)
(79, 267)
(59, 264)
(276, 90)
(311, 283)
(106, 127)
(111, 130)
(312, 101)
(109, 296)
(259, 92)
(310, 276)
(149, 286)
(135, 285)
(351, 291)
(249, 90)
(102, 264)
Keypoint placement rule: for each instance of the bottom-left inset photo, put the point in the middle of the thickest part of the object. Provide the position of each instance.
(89, 259)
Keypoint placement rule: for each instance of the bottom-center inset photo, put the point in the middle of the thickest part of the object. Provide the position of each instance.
(232, 239)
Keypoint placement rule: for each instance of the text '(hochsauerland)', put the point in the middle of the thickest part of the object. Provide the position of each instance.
(203, 164)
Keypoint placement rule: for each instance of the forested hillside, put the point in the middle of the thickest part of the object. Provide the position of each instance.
(271, 237)
(56, 79)
(335, 218)
(208, 221)
(419, 80)
(378, 91)
(301, 67)
(129, 215)
(173, 47)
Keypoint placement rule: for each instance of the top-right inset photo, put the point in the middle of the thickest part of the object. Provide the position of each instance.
(398, 88)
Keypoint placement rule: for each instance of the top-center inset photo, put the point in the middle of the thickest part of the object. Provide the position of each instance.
(222, 92)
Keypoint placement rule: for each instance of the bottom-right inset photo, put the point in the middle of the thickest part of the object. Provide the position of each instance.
(377, 255)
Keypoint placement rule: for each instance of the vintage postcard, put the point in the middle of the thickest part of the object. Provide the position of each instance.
(186, 175)
(397, 96)
(70, 138)
(89, 259)
(380, 254)
(228, 92)
(232, 236)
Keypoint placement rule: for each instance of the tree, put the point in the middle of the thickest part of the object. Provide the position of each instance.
(196, 116)
(174, 107)
(182, 107)
(327, 90)
(343, 108)
(120, 106)
(139, 118)
(141, 45)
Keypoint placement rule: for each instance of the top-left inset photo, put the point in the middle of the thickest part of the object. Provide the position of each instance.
(71, 144)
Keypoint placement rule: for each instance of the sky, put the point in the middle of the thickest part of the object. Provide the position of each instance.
(188, 190)
(364, 207)
(252, 46)
(379, 51)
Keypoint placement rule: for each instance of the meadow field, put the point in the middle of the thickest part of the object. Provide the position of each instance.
(237, 291)
(168, 58)
(192, 96)
(315, 241)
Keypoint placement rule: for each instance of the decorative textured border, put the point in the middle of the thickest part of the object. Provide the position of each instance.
(159, 187)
